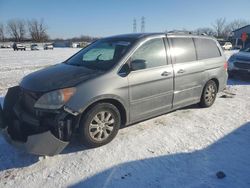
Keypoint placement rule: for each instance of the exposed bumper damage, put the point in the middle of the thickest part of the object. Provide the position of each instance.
(40, 144)
(37, 132)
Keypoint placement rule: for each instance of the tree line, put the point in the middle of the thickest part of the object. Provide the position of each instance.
(221, 28)
(19, 30)
(36, 30)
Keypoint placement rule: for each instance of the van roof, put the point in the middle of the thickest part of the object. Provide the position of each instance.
(134, 36)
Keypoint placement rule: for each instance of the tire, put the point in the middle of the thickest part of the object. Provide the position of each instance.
(96, 124)
(209, 94)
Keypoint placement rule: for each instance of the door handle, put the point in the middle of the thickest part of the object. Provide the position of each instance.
(180, 71)
(165, 73)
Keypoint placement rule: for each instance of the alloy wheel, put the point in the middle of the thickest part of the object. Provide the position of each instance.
(101, 126)
(210, 94)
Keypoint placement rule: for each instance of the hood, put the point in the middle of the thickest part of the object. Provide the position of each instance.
(57, 77)
(242, 56)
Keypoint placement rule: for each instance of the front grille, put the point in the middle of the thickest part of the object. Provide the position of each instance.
(242, 65)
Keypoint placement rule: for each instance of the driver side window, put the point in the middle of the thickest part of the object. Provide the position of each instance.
(152, 53)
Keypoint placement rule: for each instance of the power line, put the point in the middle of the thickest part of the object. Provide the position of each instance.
(134, 26)
(143, 24)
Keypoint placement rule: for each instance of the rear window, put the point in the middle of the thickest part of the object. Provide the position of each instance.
(206, 48)
(183, 50)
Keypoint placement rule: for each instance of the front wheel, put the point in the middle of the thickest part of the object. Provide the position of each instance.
(209, 94)
(99, 125)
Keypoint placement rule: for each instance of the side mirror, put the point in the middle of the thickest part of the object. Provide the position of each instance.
(125, 70)
(137, 64)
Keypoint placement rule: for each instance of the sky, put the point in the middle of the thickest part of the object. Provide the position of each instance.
(69, 18)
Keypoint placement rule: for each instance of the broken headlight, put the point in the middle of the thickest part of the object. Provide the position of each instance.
(55, 99)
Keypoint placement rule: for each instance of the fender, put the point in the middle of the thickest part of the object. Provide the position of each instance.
(77, 111)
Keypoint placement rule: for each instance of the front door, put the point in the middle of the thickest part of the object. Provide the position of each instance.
(150, 88)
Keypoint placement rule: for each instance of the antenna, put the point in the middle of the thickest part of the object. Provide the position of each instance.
(134, 26)
(143, 24)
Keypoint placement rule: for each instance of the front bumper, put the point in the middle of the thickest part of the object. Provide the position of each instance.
(239, 71)
(32, 134)
(238, 68)
(39, 144)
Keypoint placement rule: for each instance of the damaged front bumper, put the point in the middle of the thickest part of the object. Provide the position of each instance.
(37, 135)
(40, 144)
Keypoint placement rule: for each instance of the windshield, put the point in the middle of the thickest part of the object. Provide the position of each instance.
(245, 49)
(100, 55)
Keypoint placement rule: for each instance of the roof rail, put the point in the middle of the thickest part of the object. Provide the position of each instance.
(183, 32)
(204, 34)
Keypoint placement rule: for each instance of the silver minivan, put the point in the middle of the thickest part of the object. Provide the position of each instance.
(111, 83)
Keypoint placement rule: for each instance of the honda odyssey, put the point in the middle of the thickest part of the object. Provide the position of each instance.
(111, 83)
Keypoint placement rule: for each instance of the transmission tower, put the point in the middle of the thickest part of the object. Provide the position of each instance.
(143, 24)
(134, 26)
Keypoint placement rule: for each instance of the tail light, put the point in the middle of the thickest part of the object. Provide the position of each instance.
(225, 65)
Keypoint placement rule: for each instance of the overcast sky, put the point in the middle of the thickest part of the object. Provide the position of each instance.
(68, 18)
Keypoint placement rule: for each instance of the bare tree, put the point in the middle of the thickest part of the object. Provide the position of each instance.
(2, 36)
(205, 30)
(16, 29)
(236, 24)
(219, 26)
(37, 30)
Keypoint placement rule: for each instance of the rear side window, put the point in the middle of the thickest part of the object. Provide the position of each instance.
(183, 50)
(206, 48)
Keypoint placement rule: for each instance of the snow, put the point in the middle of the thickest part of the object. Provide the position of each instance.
(16, 64)
(185, 148)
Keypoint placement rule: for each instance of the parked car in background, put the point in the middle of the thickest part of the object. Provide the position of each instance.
(75, 45)
(239, 63)
(113, 82)
(34, 47)
(19, 46)
(48, 47)
(226, 45)
(5, 46)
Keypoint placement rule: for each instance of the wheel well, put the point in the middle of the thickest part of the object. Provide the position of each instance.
(116, 103)
(216, 82)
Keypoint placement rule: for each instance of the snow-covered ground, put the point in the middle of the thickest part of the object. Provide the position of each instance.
(185, 148)
(16, 64)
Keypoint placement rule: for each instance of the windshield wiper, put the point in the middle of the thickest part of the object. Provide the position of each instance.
(97, 58)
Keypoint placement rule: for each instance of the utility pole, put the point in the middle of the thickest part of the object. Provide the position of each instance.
(143, 24)
(134, 26)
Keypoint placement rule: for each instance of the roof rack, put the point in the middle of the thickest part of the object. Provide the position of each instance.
(204, 34)
(183, 32)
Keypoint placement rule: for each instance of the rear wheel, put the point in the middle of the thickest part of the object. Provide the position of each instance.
(209, 94)
(99, 125)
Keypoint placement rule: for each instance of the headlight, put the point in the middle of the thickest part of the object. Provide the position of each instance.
(231, 62)
(231, 59)
(55, 99)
